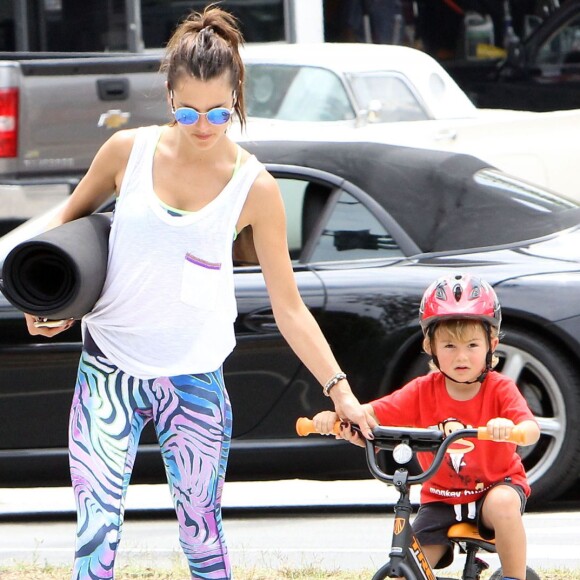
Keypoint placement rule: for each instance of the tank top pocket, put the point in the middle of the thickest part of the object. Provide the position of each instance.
(201, 285)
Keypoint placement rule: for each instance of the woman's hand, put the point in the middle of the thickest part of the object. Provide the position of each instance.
(349, 409)
(352, 436)
(34, 325)
(325, 421)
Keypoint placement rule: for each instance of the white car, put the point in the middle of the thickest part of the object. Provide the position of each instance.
(395, 94)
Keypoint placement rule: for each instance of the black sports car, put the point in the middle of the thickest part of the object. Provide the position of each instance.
(369, 227)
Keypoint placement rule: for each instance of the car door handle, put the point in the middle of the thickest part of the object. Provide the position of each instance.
(261, 321)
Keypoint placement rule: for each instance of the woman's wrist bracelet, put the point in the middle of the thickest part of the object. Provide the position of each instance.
(332, 382)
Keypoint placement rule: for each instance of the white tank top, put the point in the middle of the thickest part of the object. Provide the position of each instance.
(168, 303)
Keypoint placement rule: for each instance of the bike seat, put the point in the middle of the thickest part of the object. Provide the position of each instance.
(468, 533)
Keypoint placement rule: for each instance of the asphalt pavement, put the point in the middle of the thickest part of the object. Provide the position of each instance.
(334, 525)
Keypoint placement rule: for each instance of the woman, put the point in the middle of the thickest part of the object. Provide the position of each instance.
(155, 341)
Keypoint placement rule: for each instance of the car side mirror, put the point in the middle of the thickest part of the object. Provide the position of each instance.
(362, 118)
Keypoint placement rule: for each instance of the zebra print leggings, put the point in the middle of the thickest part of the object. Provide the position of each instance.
(192, 419)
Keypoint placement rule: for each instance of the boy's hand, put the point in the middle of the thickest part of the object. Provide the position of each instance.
(499, 428)
(324, 422)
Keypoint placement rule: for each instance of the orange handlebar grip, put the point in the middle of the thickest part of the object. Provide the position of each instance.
(517, 436)
(305, 426)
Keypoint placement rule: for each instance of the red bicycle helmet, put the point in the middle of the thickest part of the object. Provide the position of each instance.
(459, 296)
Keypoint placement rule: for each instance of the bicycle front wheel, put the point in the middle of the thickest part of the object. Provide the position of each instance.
(386, 571)
(531, 574)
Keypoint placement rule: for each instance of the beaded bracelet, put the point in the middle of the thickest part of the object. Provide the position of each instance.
(332, 382)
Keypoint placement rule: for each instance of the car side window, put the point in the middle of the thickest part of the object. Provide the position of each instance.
(347, 231)
(352, 232)
(563, 47)
(293, 193)
(387, 98)
(281, 91)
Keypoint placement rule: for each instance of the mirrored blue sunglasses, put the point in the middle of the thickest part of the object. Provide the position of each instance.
(189, 116)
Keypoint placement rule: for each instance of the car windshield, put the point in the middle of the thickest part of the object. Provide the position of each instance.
(280, 92)
(296, 93)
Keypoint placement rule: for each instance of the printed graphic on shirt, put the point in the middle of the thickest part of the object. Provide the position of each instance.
(457, 450)
(461, 463)
(201, 262)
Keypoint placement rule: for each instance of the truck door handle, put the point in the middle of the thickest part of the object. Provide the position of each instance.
(113, 89)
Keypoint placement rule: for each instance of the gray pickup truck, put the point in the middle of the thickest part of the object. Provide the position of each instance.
(72, 73)
(56, 111)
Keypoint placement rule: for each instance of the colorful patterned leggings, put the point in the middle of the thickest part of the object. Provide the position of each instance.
(192, 419)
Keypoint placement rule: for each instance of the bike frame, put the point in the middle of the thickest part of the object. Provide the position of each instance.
(406, 558)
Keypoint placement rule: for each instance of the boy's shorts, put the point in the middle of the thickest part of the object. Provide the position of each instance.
(434, 519)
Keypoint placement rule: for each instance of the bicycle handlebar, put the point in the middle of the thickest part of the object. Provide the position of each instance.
(305, 426)
(417, 439)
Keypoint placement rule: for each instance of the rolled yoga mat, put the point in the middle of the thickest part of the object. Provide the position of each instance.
(60, 273)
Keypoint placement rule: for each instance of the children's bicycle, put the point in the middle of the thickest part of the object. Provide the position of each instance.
(406, 558)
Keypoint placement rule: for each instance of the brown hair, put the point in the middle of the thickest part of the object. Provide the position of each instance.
(206, 45)
(458, 328)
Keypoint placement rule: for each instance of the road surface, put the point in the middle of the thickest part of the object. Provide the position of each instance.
(333, 525)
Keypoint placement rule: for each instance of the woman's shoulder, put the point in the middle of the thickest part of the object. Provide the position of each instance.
(265, 183)
(123, 140)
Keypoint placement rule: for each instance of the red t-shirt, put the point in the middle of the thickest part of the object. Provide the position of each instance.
(471, 466)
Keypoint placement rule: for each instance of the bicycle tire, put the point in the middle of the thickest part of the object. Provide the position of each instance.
(382, 572)
(531, 574)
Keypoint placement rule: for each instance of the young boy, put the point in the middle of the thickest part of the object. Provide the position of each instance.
(479, 480)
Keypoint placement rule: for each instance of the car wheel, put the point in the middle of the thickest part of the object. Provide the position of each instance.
(551, 386)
